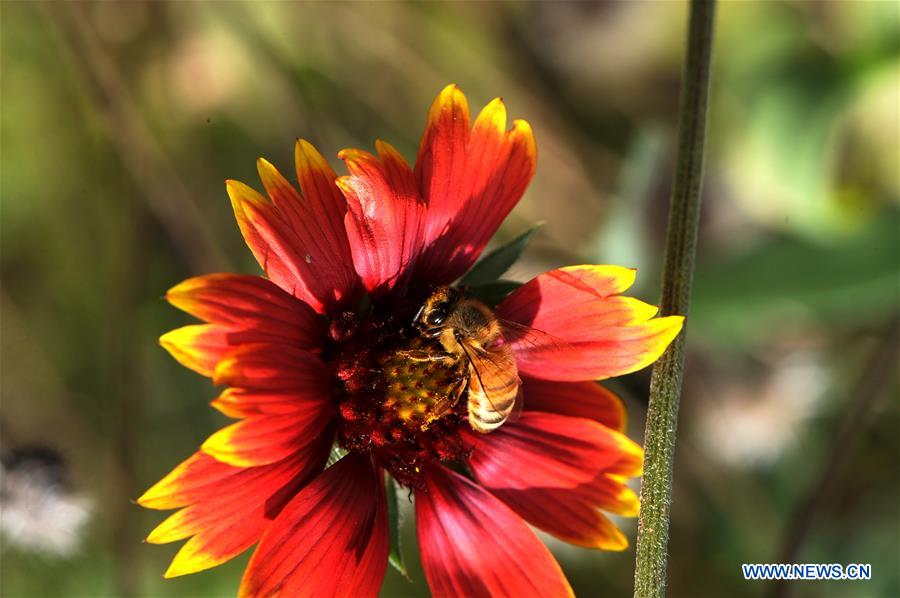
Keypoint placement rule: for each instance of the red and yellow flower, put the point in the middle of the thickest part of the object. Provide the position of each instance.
(299, 353)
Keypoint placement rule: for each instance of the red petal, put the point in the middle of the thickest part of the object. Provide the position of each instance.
(187, 483)
(228, 508)
(293, 239)
(580, 328)
(573, 469)
(471, 181)
(326, 204)
(561, 452)
(384, 217)
(317, 219)
(242, 310)
(441, 163)
(301, 383)
(330, 540)
(473, 545)
(576, 399)
(200, 347)
(249, 304)
(241, 402)
(264, 439)
(270, 367)
(567, 515)
(264, 373)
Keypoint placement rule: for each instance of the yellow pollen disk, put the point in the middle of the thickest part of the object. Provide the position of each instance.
(423, 383)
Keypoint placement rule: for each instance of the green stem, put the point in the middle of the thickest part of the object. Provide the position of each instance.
(681, 248)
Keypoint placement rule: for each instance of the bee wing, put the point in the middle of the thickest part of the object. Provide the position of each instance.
(494, 386)
(518, 406)
(521, 334)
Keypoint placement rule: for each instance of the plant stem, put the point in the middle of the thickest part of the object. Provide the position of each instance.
(681, 248)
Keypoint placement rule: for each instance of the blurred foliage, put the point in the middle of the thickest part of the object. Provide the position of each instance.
(119, 121)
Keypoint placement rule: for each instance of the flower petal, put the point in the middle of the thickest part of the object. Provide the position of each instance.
(272, 367)
(264, 373)
(317, 219)
(187, 483)
(384, 216)
(575, 468)
(249, 303)
(581, 329)
(330, 540)
(242, 310)
(228, 508)
(292, 243)
(198, 347)
(576, 399)
(471, 181)
(242, 402)
(561, 452)
(264, 439)
(326, 204)
(301, 382)
(441, 163)
(567, 515)
(473, 545)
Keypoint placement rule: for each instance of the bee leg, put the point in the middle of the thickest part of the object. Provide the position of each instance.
(424, 356)
(427, 423)
(434, 417)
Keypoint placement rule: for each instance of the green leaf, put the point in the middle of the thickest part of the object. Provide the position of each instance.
(496, 263)
(494, 292)
(850, 281)
(337, 453)
(395, 556)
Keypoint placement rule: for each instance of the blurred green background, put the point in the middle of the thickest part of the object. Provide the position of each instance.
(120, 121)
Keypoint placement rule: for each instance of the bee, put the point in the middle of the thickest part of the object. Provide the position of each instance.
(469, 332)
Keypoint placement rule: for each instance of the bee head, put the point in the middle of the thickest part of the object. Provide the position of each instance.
(437, 308)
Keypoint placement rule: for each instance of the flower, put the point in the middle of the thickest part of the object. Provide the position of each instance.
(322, 352)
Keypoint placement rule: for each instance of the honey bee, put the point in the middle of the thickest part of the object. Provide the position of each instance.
(468, 330)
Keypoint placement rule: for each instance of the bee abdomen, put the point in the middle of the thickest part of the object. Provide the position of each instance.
(489, 406)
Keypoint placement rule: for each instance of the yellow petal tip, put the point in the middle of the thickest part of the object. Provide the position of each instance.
(219, 447)
(146, 498)
(175, 571)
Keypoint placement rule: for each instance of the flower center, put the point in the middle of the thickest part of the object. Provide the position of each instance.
(400, 395)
